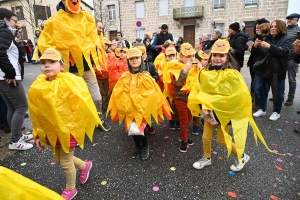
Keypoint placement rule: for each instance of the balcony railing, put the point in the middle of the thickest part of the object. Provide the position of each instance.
(188, 12)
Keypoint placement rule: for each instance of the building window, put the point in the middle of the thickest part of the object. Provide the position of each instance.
(219, 4)
(42, 12)
(24, 35)
(189, 3)
(218, 26)
(163, 7)
(19, 11)
(251, 3)
(140, 32)
(139, 9)
(111, 12)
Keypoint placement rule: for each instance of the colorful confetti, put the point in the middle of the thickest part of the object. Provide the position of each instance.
(279, 160)
(163, 155)
(231, 173)
(95, 144)
(172, 168)
(287, 122)
(289, 154)
(53, 163)
(232, 194)
(166, 137)
(279, 129)
(103, 182)
(221, 158)
(214, 152)
(32, 141)
(278, 167)
(275, 151)
(23, 164)
(291, 164)
(155, 188)
(273, 197)
(275, 145)
(296, 122)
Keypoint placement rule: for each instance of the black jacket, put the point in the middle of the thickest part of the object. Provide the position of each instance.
(297, 58)
(278, 51)
(151, 69)
(238, 43)
(6, 40)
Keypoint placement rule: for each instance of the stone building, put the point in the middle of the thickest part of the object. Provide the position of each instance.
(45, 9)
(191, 18)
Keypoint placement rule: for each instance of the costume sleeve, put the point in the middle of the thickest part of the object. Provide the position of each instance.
(182, 77)
(154, 43)
(6, 39)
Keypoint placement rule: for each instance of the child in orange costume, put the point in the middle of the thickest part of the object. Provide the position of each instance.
(117, 69)
(136, 98)
(60, 125)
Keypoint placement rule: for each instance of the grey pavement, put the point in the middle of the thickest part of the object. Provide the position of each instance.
(128, 178)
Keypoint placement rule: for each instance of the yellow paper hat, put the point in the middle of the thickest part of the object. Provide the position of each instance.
(134, 52)
(124, 49)
(170, 42)
(142, 48)
(203, 55)
(186, 49)
(51, 54)
(220, 46)
(117, 52)
(37, 29)
(170, 50)
(106, 41)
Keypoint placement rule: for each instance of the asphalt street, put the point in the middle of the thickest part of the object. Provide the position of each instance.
(115, 175)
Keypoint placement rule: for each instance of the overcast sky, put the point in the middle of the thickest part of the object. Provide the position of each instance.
(90, 2)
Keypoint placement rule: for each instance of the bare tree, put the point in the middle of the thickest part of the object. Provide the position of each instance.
(107, 18)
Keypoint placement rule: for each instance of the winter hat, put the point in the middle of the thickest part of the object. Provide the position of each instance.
(235, 26)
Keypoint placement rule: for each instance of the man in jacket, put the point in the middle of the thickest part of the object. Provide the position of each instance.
(160, 38)
(292, 67)
(237, 40)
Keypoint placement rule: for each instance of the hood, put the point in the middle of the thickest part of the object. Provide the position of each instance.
(59, 6)
(142, 67)
(3, 24)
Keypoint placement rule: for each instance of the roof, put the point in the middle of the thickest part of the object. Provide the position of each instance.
(88, 5)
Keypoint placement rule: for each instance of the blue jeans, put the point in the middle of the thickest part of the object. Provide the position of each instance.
(262, 86)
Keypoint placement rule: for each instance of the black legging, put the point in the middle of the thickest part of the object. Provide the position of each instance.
(140, 141)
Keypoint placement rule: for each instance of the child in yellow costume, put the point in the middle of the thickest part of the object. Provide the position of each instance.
(136, 98)
(225, 100)
(73, 32)
(57, 123)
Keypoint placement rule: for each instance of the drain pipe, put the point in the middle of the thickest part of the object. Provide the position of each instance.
(119, 17)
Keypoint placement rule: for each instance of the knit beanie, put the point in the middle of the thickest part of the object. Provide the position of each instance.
(235, 26)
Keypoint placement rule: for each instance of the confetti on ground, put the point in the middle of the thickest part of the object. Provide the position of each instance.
(221, 158)
(275, 151)
(289, 154)
(23, 164)
(278, 179)
(294, 179)
(279, 129)
(232, 194)
(163, 155)
(188, 146)
(299, 157)
(27, 132)
(273, 197)
(279, 160)
(278, 167)
(95, 144)
(275, 145)
(155, 188)
(231, 173)
(287, 122)
(31, 141)
(214, 152)
(291, 164)
(296, 122)
(275, 185)
(103, 182)
(172, 168)
(166, 137)
(53, 163)
(284, 176)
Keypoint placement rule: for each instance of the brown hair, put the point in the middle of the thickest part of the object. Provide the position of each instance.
(264, 28)
(281, 26)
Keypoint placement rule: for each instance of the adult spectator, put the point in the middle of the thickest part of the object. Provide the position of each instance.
(244, 31)
(11, 87)
(30, 48)
(198, 46)
(153, 37)
(296, 46)
(216, 34)
(206, 42)
(276, 45)
(160, 38)
(146, 38)
(119, 42)
(237, 40)
(179, 43)
(126, 42)
(292, 67)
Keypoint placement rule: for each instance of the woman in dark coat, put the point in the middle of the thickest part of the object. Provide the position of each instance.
(277, 45)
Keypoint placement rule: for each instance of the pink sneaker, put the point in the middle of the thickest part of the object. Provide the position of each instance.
(85, 172)
(69, 194)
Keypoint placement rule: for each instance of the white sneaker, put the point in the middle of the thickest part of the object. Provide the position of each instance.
(26, 137)
(274, 116)
(259, 113)
(21, 145)
(238, 166)
(202, 163)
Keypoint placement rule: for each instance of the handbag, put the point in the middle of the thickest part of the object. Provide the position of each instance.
(261, 63)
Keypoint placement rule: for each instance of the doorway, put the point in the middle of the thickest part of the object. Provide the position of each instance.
(189, 34)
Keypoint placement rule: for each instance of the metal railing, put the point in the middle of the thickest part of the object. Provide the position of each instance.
(188, 12)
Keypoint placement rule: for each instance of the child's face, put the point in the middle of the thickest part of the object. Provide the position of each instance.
(112, 47)
(185, 59)
(218, 59)
(170, 57)
(51, 68)
(203, 62)
(135, 63)
(122, 55)
(106, 47)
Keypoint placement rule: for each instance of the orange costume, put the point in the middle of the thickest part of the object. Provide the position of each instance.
(115, 72)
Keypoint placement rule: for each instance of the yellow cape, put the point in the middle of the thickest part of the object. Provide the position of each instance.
(158, 59)
(192, 74)
(15, 186)
(137, 97)
(226, 92)
(171, 68)
(62, 107)
(72, 34)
